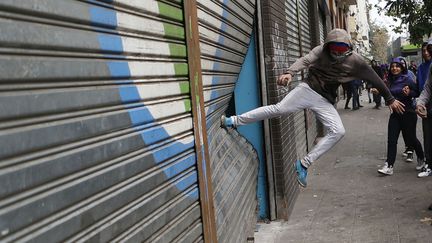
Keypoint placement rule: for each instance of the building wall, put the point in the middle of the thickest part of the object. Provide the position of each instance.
(286, 33)
(98, 140)
(360, 30)
(98, 118)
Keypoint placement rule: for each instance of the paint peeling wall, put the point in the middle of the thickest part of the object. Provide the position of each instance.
(96, 136)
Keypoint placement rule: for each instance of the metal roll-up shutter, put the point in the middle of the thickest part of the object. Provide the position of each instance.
(225, 28)
(96, 137)
(306, 39)
(321, 26)
(295, 45)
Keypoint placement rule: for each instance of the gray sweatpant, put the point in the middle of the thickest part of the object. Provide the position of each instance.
(302, 97)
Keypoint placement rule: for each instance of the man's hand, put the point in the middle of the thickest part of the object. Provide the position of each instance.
(406, 91)
(421, 111)
(284, 79)
(374, 91)
(397, 106)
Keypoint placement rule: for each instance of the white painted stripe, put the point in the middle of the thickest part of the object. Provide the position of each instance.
(151, 69)
(147, 5)
(145, 47)
(162, 110)
(129, 21)
(161, 90)
(183, 125)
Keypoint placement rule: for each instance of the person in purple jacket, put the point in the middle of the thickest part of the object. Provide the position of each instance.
(403, 89)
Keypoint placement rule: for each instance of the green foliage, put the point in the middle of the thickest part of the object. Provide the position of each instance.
(415, 16)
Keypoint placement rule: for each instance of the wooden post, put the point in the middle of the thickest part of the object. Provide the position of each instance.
(199, 120)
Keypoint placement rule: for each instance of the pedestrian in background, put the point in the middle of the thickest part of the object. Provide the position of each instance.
(424, 107)
(379, 72)
(348, 90)
(405, 90)
(356, 86)
(413, 67)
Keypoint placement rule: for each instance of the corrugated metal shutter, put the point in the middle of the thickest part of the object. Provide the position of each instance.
(225, 28)
(306, 39)
(321, 26)
(96, 139)
(295, 51)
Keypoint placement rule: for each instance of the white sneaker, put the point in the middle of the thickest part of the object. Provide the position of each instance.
(425, 172)
(420, 164)
(410, 156)
(404, 153)
(386, 170)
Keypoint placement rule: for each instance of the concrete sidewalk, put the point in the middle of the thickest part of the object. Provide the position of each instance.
(348, 201)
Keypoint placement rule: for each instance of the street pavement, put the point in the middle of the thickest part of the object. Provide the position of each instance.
(348, 201)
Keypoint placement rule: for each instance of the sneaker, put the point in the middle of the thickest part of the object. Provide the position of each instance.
(301, 173)
(386, 169)
(425, 172)
(410, 156)
(404, 154)
(420, 164)
(226, 121)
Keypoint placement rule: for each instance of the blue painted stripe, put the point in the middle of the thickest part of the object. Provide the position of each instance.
(180, 166)
(129, 94)
(103, 17)
(194, 194)
(187, 182)
(110, 43)
(140, 115)
(176, 148)
(119, 69)
(247, 94)
(224, 12)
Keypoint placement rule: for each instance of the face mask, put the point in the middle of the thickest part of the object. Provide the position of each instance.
(341, 57)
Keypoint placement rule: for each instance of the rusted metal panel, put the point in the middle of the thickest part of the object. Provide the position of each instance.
(96, 128)
(225, 28)
(201, 144)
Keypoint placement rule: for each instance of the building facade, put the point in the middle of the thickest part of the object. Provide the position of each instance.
(109, 116)
(359, 28)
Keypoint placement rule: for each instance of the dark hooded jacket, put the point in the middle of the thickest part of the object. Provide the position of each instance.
(325, 74)
(398, 82)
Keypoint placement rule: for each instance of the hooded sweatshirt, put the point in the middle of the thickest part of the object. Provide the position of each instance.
(422, 74)
(326, 74)
(397, 83)
(426, 94)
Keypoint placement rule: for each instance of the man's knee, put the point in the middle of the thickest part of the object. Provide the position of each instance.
(340, 132)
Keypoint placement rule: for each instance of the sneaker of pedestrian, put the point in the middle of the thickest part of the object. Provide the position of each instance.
(420, 164)
(386, 169)
(301, 173)
(404, 153)
(425, 172)
(226, 121)
(410, 156)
